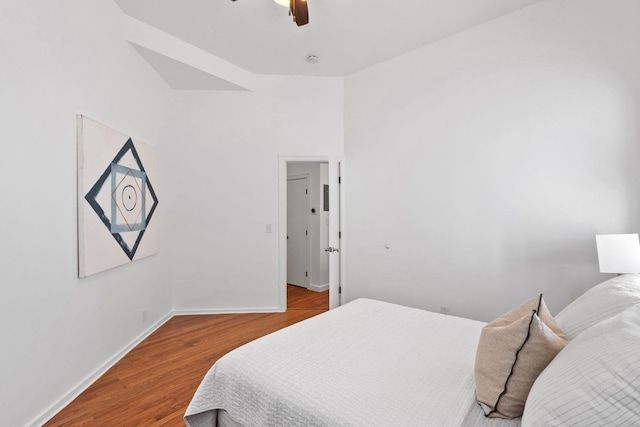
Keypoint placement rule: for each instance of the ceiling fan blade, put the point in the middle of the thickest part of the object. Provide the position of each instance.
(300, 12)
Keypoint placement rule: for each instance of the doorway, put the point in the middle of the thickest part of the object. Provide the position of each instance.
(324, 210)
(307, 232)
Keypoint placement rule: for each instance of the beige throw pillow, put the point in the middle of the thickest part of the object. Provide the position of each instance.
(513, 350)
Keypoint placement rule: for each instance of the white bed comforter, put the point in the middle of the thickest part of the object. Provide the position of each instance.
(367, 363)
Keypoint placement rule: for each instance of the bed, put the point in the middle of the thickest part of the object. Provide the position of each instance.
(372, 363)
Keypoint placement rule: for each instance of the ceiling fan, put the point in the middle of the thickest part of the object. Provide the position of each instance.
(297, 9)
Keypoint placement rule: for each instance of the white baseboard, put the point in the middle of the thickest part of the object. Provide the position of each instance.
(318, 288)
(190, 312)
(84, 384)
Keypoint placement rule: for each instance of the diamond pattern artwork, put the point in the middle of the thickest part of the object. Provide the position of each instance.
(128, 198)
(116, 211)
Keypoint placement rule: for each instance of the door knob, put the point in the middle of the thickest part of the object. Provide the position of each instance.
(331, 249)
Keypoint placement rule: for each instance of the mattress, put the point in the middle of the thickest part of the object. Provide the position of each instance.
(367, 363)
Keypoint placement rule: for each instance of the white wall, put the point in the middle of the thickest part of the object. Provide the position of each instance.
(219, 187)
(58, 59)
(489, 160)
(230, 146)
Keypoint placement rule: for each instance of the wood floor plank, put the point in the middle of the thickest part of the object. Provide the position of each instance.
(153, 384)
(301, 298)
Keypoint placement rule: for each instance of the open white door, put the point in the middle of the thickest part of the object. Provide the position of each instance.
(336, 227)
(335, 248)
(297, 232)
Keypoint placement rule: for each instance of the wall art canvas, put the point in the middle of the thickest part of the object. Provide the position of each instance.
(117, 198)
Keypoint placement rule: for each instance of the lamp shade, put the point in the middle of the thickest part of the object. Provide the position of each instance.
(618, 253)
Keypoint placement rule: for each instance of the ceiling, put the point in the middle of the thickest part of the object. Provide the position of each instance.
(347, 35)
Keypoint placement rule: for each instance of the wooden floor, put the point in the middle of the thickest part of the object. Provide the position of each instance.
(153, 384)
(301, 299)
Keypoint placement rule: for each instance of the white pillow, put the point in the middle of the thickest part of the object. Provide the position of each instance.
(594, 381)
(599, 303)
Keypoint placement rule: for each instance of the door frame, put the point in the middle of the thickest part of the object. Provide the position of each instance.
(282, 222)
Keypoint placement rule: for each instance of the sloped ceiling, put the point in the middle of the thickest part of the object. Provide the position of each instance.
(347, 35)
(179, 75)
